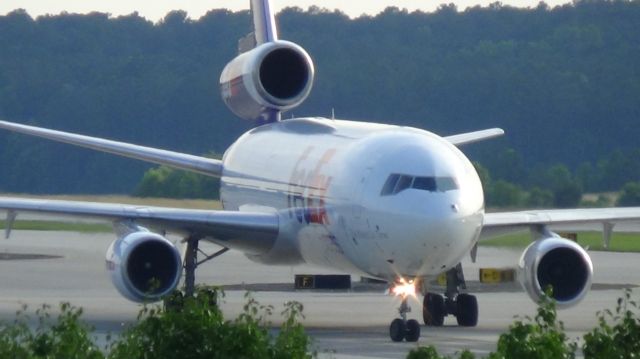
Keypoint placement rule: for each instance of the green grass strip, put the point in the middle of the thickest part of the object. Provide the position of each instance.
(32, 225)
(620, 242)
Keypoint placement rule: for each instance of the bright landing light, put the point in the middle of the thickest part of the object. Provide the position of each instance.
(404, 289)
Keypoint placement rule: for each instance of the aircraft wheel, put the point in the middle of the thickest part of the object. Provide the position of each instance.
(397, 330)
(413, 330)
(433, 310)
(467, 310)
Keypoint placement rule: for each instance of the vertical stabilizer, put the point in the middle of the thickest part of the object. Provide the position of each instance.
(264, 22)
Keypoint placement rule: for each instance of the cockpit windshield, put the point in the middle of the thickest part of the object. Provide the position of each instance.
(397, 183)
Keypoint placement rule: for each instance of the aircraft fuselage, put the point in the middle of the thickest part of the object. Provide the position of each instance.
(379, 200)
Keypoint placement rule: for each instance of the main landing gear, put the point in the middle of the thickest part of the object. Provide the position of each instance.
(191, 262)
(403, 329)
(463, 306)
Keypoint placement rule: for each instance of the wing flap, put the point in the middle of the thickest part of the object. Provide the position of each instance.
(253, 232)
(203, 165)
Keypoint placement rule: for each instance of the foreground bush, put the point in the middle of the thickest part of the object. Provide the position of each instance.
(616, 336)
(541, 337)
(197, 329)
(194, 328)
(65, 338)
(618, 340)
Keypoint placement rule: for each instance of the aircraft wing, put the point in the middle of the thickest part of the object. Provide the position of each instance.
(476, 136)
(203, 165)
(496, 224)
(251, 232)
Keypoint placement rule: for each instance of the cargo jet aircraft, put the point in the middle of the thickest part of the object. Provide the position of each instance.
(394, 203)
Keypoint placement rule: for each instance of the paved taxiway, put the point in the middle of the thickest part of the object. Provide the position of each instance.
(351, 325)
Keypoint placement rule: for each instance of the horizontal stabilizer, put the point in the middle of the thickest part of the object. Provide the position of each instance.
(476, 136)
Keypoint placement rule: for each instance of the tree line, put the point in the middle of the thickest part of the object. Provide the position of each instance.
(563, 82)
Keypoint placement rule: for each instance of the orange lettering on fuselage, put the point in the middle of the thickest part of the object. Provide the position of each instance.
(308, 188)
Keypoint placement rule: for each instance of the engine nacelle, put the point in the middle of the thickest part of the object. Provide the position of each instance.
(560, 263)
(144, 266)
(273, 77)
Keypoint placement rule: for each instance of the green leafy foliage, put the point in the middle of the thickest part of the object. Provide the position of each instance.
(617, 334)
(66, 337)
(542, 337)
(430, 352)
(190, 328)
(165, 182)
(562, 81)
(630, 195)
(196, 329)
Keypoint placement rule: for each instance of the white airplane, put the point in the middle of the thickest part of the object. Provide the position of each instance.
(395, 203)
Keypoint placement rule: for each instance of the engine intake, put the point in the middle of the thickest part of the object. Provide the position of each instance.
(144, 266)
(273, 77)
(559, 263)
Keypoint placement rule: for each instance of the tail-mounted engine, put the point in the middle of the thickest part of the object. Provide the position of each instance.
(144, 266)
(261, 83)
(559, 263)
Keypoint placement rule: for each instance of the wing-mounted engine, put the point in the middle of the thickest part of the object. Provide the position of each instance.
(144, 266)
(273, 77)
(559, 263)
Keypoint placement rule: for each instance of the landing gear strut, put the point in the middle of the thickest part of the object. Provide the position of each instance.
(191, 263)
(403, 329)
(463, 306)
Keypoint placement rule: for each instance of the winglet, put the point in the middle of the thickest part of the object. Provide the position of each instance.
(264, 22)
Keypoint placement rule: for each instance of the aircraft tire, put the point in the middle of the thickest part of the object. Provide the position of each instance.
(397, 330)
(413, 330)
(467, 310)
(433, 310)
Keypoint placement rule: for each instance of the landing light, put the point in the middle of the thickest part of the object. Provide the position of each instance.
(404, 288)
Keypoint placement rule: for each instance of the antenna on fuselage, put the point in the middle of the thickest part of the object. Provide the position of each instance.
(333, 113)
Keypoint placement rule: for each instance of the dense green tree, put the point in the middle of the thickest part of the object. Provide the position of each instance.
(630, 195)
(165, 182)
(504, 194)
(562, 82)
(540, 198)
(567, 192)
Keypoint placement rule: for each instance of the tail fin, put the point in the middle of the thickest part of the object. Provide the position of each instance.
(264, 22)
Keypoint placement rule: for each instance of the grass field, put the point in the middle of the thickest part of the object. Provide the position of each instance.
(620, 242)
(88, 227)
(160, 202)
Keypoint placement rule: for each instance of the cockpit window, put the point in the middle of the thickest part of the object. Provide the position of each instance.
(403, 183)
(446, 184)
(397, 183)
(425, 183)
(390, 185)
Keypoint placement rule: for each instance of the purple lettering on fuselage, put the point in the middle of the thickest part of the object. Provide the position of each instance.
(308, 187)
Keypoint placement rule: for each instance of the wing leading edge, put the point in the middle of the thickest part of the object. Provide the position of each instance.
(252, 232)
(496, 224)
(203, 165)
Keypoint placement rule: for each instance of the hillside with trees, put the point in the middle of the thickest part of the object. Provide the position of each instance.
(563, 82)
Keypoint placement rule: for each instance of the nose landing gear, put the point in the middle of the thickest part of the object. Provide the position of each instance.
(401, 328)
